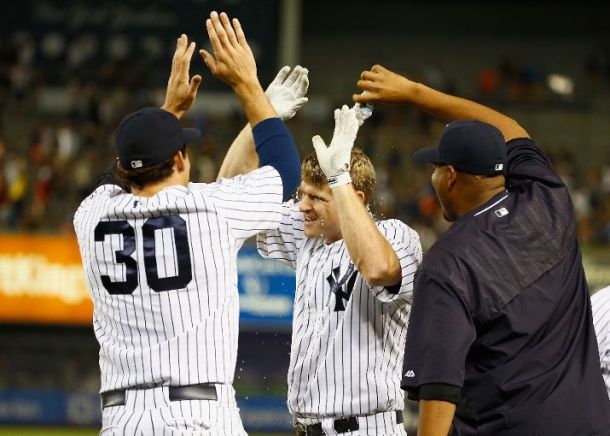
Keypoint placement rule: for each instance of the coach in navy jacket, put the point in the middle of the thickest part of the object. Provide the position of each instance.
(500, 340)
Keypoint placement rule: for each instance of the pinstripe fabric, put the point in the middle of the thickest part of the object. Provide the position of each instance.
(600, 305)
(173, 337)
(346, 362)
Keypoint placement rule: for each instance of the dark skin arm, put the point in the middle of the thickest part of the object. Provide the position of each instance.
(435, 417)
(384, 86)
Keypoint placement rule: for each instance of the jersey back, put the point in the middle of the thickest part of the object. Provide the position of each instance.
(162, 273)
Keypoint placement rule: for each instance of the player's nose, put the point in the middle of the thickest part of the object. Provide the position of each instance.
(304, 205)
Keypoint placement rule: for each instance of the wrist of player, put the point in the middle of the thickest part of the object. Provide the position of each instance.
(341, 179)
(247, 87)
(173, 110)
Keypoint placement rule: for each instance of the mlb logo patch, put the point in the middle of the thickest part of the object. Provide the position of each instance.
(501, 212)
(499, 167)
(136, 164)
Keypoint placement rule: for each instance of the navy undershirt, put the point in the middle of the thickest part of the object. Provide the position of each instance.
(275, 147)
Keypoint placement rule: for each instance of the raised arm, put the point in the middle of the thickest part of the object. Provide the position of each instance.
(287, 95)
(233, 62)
(384, 86)
(179, 97)
(181, 89)
(371, 253)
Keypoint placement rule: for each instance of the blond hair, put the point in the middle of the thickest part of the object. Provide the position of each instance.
(362, 172)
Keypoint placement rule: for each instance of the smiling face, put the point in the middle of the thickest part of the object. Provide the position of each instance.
(319, 211)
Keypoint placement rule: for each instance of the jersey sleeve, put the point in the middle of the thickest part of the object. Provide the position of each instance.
(525, 161)
(440, 333)
(405, 242)
(282, 243)
(251, 203)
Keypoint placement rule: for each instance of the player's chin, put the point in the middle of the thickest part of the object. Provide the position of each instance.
(312, 229)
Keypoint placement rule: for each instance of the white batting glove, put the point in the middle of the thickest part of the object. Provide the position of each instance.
(287, 91)
(335, 159)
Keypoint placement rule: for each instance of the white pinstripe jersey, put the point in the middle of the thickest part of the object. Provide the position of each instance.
(162, 272)
(600, 305)
(347, 337)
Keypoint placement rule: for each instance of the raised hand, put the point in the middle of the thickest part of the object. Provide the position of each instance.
(287, 91)
(181, 90)
(383, 86)
(233, 61)
(335, 159)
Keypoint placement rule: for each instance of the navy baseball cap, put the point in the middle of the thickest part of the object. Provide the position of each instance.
(149, 136)
(471, 147)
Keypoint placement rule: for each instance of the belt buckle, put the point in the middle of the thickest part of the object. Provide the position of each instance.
(345, 425)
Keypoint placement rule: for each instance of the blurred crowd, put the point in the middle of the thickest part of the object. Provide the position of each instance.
(50, 161)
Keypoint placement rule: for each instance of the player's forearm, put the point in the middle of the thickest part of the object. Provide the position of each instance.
(435, 417)
(241, 157)
(275, 147)
(254, 101)
(450, 108)
(371, 253)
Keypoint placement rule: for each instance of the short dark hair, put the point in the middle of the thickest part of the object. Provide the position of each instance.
(141, 177)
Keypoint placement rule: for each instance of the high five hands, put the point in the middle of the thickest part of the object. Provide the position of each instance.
(181, 89)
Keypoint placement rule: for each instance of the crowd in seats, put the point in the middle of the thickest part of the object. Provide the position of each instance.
(49, 162)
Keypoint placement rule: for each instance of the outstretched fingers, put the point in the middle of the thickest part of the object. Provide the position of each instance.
(302, 85)
(194, 85)
(213, 36)
(281, 76)
(209, 60)
(318, 145)
(241, 36)
(221, 34)
(226, 24)
(294, 75)
(180, 45)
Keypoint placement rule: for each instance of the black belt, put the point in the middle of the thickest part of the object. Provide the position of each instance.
(203, 391)
(342, 425)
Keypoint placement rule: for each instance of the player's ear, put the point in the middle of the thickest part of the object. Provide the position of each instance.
(361, 196)
(452, 176)
(180, 161)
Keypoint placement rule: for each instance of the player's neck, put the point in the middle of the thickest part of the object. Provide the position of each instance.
(477, 200)
(154, 188)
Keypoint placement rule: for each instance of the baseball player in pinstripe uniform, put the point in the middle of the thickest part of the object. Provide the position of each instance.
(600, 305)
(160, 255)
(354, 284)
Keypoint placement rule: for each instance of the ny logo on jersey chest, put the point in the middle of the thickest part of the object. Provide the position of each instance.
(336, 285)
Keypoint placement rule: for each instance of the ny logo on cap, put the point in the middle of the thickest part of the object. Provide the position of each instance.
(136, 164)
(499, 167)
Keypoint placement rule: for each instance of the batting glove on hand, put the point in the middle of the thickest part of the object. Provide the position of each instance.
(287, 91)
(335, 159)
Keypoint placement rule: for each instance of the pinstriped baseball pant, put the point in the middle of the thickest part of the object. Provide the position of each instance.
(148, 412)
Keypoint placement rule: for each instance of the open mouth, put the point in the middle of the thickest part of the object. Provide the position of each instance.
(309, 221)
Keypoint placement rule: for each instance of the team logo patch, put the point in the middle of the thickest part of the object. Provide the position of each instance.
(501, 212)
(340, 288)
